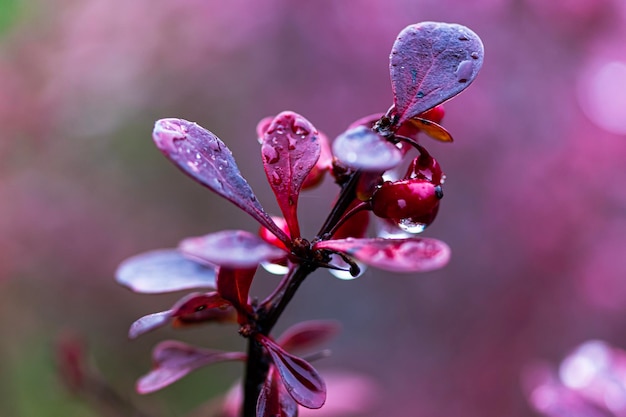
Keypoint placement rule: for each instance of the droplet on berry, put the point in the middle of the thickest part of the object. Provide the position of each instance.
(412, 204)
(425, 167)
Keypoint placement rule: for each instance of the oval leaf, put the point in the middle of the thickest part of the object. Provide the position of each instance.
(301, 380)
(172, 360)
(205, 158)
(148, 323)
(361, 148)
(430, 63)
(192, 308)
(274, 400)
(307, 334)
(231, 248)
(164, 270)
(290, 149)
(396, 255)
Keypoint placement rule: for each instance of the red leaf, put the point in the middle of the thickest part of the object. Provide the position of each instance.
(308, 333)
(205, 158)
(397, 255)
(172, 360)
(290, 149)
(431, 63)
(274, 400)
(231, 248)
(301, 380)
(234, 285)
(361, 148)
(192, 308)
(164, 270)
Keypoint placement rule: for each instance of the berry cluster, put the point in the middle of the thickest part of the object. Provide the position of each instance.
(430, 63)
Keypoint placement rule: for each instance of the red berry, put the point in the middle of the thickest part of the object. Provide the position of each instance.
(410, 203)
(434, 115)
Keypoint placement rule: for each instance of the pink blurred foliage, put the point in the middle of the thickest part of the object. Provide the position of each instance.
(535, 190)
(349, 394)
(589, 382)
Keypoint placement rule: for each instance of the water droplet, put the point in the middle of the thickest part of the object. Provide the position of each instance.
(275, 269)
(420, 94)
(462, 37)
(474, 55)
(276, 179)
(300, 127)
(198, 156)
(291, 145)
(410, 226)
(464, 71)
(345, 275)
(270, 155)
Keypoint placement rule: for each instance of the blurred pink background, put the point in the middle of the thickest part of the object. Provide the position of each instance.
(534, 207)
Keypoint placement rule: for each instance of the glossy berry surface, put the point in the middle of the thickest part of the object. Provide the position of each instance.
(410, 203)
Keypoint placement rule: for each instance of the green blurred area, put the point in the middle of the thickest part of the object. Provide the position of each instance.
(10, 11)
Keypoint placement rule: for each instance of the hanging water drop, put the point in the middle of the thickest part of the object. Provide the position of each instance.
(275, 269)
(345, 275)
(411, 226)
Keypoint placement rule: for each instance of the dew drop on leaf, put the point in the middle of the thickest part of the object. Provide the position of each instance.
(270, 155)
(276, 180)
(464, 71)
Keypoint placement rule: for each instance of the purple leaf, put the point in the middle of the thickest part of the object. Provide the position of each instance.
(430, 63)
(397, 255)
(205, 158)
(308, 333)
(361, 148)
(274, 400)
(164, 270)
(290, 149)
(172, 360)
(231, 248)
(301, 380)
(234, 285)
(192, 308)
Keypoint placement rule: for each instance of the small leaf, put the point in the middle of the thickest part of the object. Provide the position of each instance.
(397, 255)
(290, 149)
(430, 63)
(301, 380)
(191, 309)
(205, 158)
(307, 334)
(234, 285)
(274, 400)
(361, 148)
(230, 248)
(172, 360)
(164, 270)
(413, 126)
(324, 164)
(148, 323)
